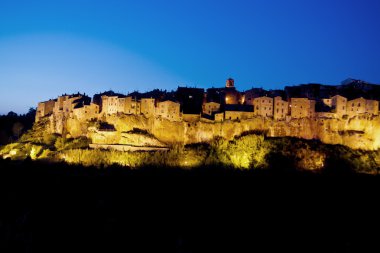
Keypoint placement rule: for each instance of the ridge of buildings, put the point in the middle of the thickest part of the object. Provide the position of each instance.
(349, 99)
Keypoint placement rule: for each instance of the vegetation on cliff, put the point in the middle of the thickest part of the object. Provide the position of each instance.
(248, 151)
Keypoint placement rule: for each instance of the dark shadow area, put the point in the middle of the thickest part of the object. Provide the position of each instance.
(61, 208)
(12, 125)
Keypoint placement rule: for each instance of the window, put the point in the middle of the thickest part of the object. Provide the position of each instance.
(358, 104)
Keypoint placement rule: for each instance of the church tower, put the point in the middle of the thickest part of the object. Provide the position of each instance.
(230, 83)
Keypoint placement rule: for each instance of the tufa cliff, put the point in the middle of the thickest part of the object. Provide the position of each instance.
(360, 132)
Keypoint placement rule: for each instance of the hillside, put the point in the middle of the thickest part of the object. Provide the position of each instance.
(256, 144)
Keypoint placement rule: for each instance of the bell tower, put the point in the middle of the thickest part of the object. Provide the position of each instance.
(230, 83)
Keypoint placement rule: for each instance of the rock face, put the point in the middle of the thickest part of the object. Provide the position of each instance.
(361, 132)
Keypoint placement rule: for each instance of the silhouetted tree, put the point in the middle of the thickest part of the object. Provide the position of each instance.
(17, 129)
(12, 114)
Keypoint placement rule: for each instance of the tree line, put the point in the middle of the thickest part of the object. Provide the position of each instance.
(13, 125)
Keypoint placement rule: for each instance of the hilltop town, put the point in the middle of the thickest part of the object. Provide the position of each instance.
(345, 114)
(354, 98)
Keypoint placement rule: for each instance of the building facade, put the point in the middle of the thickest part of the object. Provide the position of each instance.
(44, 109)
(263, 106)
(281, 108)
(302, 108)
(210, 108)
(169, 110)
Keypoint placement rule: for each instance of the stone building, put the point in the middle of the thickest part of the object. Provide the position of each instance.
(372, 106)
(110, 104)
(238, 112)
(210, 108)
(356, 107)
(86, 111)
(219, 117)
(281, 108)
(237, 115)
(66, 103)
(338, 105)
(302, 108)
(97, 98)
(169, 110)
(250, 95)
(132, 105)
(58, 106)
(361, 105)
(44, 109)
(232, 96)
(263, 106)
(121, 104)
(225, 96)
(147, 107)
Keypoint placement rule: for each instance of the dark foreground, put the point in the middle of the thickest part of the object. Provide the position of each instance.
(58, 208)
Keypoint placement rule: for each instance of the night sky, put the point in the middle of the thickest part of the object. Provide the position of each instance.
(52, 47)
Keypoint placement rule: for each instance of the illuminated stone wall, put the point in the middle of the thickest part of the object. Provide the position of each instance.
(280, 108)
(169, 110)
(210, 107)
(263, 106)
(147, 106)
(237, 115)
(302, 108)
(86, 112)
(191, 117)
(44, 109)
(361, 132)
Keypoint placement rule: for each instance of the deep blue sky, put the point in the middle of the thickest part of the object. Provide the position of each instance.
(51, 47)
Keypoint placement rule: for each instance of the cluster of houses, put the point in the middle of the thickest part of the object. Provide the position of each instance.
(216, 104)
